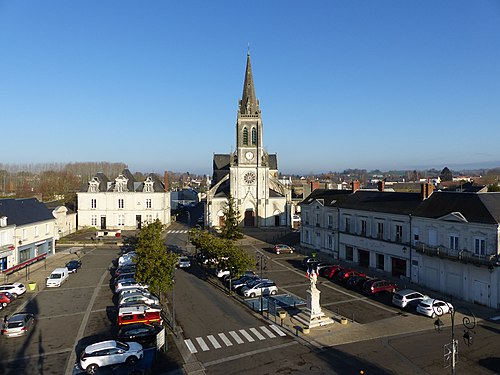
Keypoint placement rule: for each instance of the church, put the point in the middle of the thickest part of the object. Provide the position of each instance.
(249, 174)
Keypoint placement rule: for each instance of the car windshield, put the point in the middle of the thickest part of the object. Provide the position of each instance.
(253, 283)
(14, 324)
(55, 276)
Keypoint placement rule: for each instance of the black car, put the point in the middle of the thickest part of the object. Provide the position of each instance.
(242, 281)
(144, 334)
(356, 282)
(73, 265)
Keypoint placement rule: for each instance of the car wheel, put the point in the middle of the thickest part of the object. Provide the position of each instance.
(291, 251)
(4, 304)
(277, 252)
(14, 295)
(92, 369)
(132, 360)
(252, 295)
(433, 315)
(273, 292)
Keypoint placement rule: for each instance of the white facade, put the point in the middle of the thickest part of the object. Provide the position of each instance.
(34, 240)
(65, 223)
(7, 246)
(124, 204)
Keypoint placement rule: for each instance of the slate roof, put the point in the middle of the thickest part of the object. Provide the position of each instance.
(103, 181)
(329, 196)
(273, 161)
(475, 207)
(379, 201)
(24, 211)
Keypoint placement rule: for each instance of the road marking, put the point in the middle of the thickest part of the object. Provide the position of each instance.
(202, 343)
(257, 333)
(27, 358)
(249, 354)
(246, 335)
(276, 329)
(60, 316)
(268, 332)
(190, 346)
(225, 339)
(236, 337)
(214, 342)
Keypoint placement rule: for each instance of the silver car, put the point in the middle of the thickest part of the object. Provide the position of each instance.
(403, 298)
(18, 325)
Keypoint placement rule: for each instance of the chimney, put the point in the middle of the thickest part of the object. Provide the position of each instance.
(314, 185)
(426, 190)
(381, 185)
(166, 181)
(356, 185)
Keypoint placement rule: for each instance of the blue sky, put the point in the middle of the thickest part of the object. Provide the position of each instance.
(342, 84)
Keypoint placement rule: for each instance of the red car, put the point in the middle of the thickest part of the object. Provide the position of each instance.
(375, 286)
(5, 300)
(331, 271)
(344, 275)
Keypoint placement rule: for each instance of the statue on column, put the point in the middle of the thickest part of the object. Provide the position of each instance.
(312, 274)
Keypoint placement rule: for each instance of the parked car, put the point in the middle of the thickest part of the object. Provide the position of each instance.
(406, 297)
(139, 314)
(128, 284)
(124, 276)
(73, 265)
(16, 289)
(5, 300)
(330, 272)
(18, 325)
(283, 249)
(138, 298)
(221, 273)
(259, 287)
(57, 277)
(376, 286)
(242, 281)
(356, 282)
(143, 291)
(344, 275)
(184, 262)
(143, 333)
(109, 352)
(433, 307)
(125, 269)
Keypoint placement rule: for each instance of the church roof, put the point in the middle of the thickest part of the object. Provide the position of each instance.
(249, 105)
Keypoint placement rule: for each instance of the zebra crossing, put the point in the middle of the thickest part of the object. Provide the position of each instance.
(177, 231)
(241, 337)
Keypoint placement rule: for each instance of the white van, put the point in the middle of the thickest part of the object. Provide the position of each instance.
(57, 277)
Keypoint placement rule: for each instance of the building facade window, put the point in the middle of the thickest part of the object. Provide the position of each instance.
(254, 136)
(121, 203)
(330, 241)
(47, 227)
(317, 220)
(318, 240)
(330, 221)
(399, 233)
(454, 241)
(93, 220)
(479, 246)
(380, 230)
(148, 203)
(25, 235)
(349, 253)
(348, 224)
(306, 218)
(363, 227)
(93, 203)
(24, 255)
(149, 219)
(121, 220)
(307, 235)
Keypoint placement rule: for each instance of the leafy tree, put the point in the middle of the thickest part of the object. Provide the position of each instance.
(493, 188)
(446, 175)
(230, 228)
(155, 266)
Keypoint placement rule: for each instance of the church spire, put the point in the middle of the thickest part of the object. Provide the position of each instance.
(249, 105)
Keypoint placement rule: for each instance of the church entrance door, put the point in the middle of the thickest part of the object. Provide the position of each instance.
(249, 219)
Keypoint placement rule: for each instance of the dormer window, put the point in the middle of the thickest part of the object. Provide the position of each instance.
(120, 184)
(148, 185)
(93, 186)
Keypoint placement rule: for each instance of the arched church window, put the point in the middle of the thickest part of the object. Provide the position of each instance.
(254, 136)
(245, 136)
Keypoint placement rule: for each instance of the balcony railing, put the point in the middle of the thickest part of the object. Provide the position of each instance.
(459, 255)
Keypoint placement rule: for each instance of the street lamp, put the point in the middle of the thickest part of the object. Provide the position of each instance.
(262, 262)
(469, 322)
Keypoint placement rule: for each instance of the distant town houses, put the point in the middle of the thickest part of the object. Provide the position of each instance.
(123, 203)
(447, 241)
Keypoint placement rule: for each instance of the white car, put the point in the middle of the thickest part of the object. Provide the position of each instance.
(221, 273)
(128, 284)
(16, 289)
(184, 262)
(433, 307)
(138, 298)
(126, 292)
(109, 353)
(403, 298)
(258, 287)
(127, 259)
